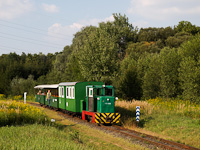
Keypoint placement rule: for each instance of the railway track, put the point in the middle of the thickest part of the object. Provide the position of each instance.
(158, 142)
(131, 134)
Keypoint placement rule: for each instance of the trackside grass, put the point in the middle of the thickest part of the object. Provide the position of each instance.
(15, 113)
(175, 120)
(37, 137)
(35, 131)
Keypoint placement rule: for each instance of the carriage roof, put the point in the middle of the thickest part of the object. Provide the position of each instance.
(47, 86)
(67, 83)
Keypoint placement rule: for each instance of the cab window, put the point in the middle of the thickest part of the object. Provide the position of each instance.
(99, 92)
(108, 92)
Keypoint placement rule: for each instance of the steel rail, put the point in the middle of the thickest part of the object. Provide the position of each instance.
(183, 146)
(159, 142)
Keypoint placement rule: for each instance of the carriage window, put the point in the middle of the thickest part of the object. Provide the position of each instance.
(62, 91)
(73, 92)
(108, 92)
(60, 95)
(67, 93)
(70, 93)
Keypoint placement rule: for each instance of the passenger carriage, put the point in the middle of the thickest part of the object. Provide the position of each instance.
(41, 97)
(92, 100)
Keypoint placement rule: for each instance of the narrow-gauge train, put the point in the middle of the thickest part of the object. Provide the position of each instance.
(89, 100)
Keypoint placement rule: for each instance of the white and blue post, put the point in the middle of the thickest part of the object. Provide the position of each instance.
(25, 97)
(137, 115)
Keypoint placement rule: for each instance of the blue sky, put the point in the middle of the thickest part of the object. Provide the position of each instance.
(46, 26)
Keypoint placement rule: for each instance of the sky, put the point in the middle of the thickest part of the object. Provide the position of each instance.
(47, 26)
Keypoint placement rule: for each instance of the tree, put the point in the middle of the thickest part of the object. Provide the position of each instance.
(177, 39)
(129, 85)
(169, 63)
(21, 85)
(98, 50)
(122, 32)
(155, 34)
(97, 56)
(189, 74)
(142, 47)
(186, 26)
(151, 80)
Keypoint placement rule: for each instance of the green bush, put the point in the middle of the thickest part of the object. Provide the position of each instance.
(14, 113)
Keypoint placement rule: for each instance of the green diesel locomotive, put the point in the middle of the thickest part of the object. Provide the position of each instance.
(90, 100)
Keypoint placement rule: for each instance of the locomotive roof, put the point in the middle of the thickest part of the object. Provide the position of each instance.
(47, 86)
(67, 83)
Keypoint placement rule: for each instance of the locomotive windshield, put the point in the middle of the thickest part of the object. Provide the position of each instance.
(108, 92)
(99, 92)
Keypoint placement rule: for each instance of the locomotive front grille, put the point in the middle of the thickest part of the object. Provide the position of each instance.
(107, 118)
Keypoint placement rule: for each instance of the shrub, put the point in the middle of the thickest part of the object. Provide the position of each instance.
(18, 97)
(13, 113)
(2, 97)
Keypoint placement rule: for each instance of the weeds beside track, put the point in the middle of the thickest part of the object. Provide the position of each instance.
(148, 140)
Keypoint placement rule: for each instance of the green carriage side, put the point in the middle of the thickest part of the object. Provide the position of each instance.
(41, 97)
(72, 95)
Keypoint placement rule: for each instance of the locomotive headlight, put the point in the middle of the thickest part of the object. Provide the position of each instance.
(98, 98)
(107, 99)
(116, 98)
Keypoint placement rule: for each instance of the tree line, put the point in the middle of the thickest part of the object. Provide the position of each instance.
(140, 63)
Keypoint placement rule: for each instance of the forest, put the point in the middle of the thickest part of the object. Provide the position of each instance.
(141, 63)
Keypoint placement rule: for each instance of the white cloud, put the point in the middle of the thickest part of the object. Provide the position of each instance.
(50, 8)
(161, 10)
(95, 21)
(13, 8)
(67, 32)
(58, 29)
(62, 34)
(76, 26)
(111, 18)
(140, 23)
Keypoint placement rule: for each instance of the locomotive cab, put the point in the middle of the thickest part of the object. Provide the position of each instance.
(100, 98)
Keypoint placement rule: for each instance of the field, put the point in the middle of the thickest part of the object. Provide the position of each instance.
(175, 120)
(26, 127)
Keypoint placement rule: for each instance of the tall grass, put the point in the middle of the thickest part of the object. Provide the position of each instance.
(127, 109)
(178, 120)
(17, 97)
(159, 106)
(175, 106)
(37, 136)
(2, 96)
(14, 113)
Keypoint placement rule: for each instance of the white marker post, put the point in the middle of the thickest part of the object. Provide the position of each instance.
(53, 120)
(137, 115)
(25, 97)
